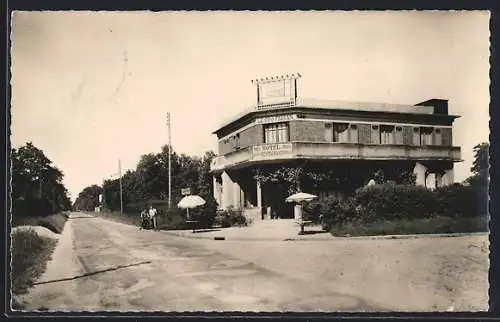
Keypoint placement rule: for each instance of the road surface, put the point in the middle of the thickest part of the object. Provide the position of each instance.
(116, 267)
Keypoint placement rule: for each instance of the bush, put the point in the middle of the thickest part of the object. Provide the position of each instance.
(30, 254)
(394, 201)
(232, 217)
(389, 207)
(55, 223)
(461, 201)
(434, 225)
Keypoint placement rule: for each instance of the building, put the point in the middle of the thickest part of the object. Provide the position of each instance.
(349, 140)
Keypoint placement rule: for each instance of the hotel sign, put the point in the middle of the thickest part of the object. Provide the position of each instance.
(276, 119)
(276, 91)
(272, 151)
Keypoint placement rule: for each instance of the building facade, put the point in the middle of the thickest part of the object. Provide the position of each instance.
(352, 139)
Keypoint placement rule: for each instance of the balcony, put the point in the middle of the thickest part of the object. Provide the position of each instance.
(267, 153)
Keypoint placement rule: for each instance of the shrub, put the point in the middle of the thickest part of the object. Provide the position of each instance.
(434, 225)
(30, 253)
(232, 217)
(462, 201)
(55, 223)
(394, 201)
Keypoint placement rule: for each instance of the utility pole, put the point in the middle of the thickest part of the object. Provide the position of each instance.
(121, 190)
(169, 162)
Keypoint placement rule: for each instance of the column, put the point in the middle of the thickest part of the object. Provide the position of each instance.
(419, 172)
(448, 177)
(259, 196)
(226, 191)
(236, 195)
(217, 192)
(439, 179)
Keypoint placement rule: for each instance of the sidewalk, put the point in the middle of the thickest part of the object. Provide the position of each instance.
(63, 265)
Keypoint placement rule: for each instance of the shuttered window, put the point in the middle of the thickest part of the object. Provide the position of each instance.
(416, 136)
(353, 133)
(438, 137)
(386, 134)
(375, 134)
(340, 132)
(426, 135)
(398, 136)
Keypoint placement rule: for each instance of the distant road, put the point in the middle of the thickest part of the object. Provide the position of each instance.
(117, 267)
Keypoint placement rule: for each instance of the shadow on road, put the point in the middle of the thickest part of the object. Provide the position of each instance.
(313, 232)
(93, 273)
(205, 230)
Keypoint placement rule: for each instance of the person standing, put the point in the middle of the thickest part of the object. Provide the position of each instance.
(144, 219)
(153, 216)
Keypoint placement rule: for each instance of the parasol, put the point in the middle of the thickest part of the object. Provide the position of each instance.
(191, 201)
(300, 196)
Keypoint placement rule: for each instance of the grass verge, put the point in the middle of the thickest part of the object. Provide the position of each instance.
(30, 254)
(436, 225)
(54, 223)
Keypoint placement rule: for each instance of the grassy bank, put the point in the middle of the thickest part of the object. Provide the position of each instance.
(30, 254)
(436, 225)
(54, 223)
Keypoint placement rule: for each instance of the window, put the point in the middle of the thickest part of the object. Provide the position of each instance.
(399, 135)
(438, 137)
(416, 136)
(328, 132)
(426, 135)
(276, 133)
(340, 132)
(375, 135)
(354, 133)
(386, 134)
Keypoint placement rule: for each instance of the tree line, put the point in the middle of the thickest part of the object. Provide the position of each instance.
(36, 184)
(148, 182)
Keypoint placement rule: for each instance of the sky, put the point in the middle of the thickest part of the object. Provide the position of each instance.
(90, 88)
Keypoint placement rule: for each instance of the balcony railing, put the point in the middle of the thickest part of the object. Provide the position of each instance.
(333, 151)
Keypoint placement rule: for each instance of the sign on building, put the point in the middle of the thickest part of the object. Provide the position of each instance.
(272, 151)
(276, 91)
(276, 119)
(186, 191)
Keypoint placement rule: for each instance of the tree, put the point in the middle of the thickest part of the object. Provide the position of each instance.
(88, 199)
(480, 165)
(37, 187)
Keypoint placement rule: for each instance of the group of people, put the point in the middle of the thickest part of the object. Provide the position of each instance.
(149, 218)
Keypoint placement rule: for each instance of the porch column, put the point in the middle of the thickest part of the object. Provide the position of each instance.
(217, 192)
(439, 179)
(259, 196)
(236, 195)
(450, 178)
(226, 191)
(419, 172)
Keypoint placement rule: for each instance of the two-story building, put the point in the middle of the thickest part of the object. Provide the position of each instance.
(352, 138)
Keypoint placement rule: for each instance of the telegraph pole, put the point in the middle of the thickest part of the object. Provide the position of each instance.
(169, 162)
(121, 190)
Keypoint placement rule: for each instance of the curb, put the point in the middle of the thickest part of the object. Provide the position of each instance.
(330, 238)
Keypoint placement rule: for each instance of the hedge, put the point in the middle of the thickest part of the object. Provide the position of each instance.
(393, 202)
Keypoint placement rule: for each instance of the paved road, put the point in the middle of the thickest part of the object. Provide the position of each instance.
(124, 269)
